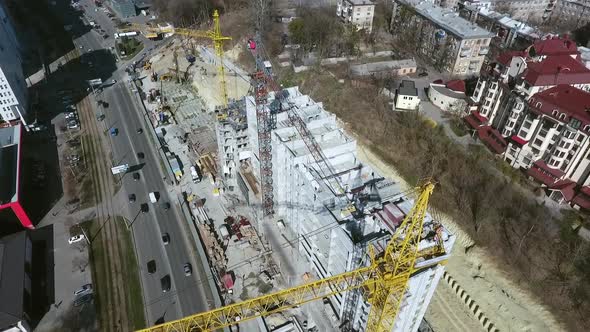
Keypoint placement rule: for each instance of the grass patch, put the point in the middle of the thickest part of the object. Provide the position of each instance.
(131, 275)
(101, 273)
(457, 127)
(87, 193)
(129, 47)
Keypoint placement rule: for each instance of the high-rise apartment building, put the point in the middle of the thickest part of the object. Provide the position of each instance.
(13, 88)
(310, 206)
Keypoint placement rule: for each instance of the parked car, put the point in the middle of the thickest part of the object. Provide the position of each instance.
(140, 155)
(76, 238)
(132, 198)
(82, 300)
(85, 289)
(135, 176)
(73, 124)
(151, 266)
(422, 74)
(188, 269)
(70, 115)
(166, 283)
(166, 238)
(144, 208)
(139, 130)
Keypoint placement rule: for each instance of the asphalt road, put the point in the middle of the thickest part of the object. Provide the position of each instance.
(187, 294)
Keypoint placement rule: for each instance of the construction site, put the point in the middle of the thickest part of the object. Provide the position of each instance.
(279, 197)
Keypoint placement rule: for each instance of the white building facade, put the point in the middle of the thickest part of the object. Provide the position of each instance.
(357, 12)
(13, 88)
(328, 235)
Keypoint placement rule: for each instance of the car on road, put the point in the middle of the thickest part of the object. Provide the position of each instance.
(135, 176)
(166, 283)
(114, 131)
(70, 116)
(140, 155)
(39, 128)
(82, 300)
(139, 130)
(144, 208)
(151, 266)
(188, 269)
(422, 74)
(73, 124)
(166, 206)
(76, 238)
(85, 289)
(166, 238)
(132, 198)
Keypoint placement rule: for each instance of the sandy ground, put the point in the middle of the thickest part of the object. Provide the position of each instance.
(506, 304)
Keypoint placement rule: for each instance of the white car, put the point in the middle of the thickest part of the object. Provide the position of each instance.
(76, 238)
(85, 289)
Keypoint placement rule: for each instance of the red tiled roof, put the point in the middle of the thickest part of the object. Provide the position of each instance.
(565, 99)
(492, 139)
(555, 70)
(555, 46)
(506, 57)
(566, 187)
(583, 198)
(475, 120)
(543, 173)
(518, 140)
(456, 85)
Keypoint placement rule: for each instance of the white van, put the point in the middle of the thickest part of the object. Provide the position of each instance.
(153, 197)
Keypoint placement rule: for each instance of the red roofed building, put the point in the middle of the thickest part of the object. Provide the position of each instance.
(554, 130)
(554, 45)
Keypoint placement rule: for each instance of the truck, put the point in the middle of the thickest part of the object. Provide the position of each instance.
(118, 35)
(153, 197)
(94, 82)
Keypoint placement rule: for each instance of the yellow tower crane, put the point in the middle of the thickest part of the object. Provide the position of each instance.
(213, 35)
(384, 283)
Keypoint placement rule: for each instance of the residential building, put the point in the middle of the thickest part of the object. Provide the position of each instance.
(452, 43)
(526, 10)
(406, 96)
(449, 97)
(573, 14)
(26, 279)
(13, 88)
(12, 213)
(384, 69)
(124, 8)
(508, 31)
(307, 202)
(532, 107)
(357, 12)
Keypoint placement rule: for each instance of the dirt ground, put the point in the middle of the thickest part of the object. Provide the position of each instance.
(501, 299)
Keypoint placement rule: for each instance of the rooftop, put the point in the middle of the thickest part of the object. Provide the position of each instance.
(555, 70)
(506, 57)
(9, 163)
(447, 92)
(12, 261)
(555, 45)
(407, 88)
(449, 20)
(361, 2)
(375, 67)
(562, 102)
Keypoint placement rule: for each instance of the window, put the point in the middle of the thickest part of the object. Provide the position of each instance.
(527, 124)
(538, 142)
(575, 123)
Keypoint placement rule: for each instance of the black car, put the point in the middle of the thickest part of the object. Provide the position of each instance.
(144, 208)
(151, 266)
(132, 198)
(422, 74)
(166, 238)
(139, 130)
(166, 206)
(140, 155)
(166, 283)
(136, 176)
(82, 300)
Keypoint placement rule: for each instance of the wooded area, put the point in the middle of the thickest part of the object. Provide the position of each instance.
(540, 251)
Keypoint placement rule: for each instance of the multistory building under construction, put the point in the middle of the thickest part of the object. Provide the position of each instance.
(315, 203)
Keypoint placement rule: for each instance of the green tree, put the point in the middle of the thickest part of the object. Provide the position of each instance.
(297, 31)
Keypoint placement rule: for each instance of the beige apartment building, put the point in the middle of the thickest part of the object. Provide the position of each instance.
(450, 42)
(358, 12)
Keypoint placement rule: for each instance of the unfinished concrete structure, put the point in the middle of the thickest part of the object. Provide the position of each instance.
(307, 202)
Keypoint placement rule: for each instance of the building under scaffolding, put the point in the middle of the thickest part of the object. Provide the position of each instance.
(306, 202)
